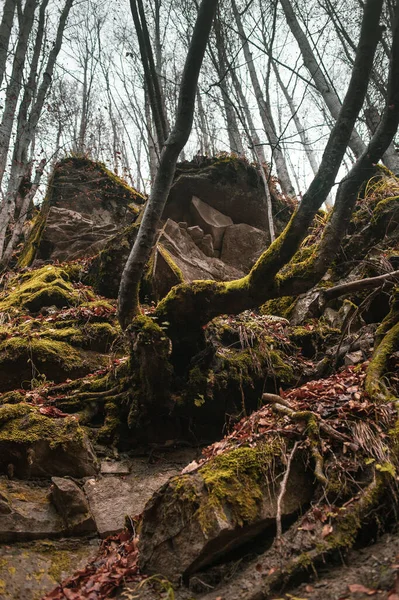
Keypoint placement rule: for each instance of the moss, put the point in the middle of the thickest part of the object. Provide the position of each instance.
(109, 432)
(60, 564)
(374, 384)
(83, 162)
(30, 248)
(301, 265)
(13, 397)
(43, 350)
(173, 266)
(23, 424)
(281, 307)
(282, 370)
(46, 286)
(235, 482)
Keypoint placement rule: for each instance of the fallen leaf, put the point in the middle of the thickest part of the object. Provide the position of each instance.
(327, 529)
(358, 588)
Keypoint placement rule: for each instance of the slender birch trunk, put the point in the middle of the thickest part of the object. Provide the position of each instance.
(5, 32)
(328, 94)
(15, 84)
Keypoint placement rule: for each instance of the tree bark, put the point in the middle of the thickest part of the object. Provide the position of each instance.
(190, 306)
(128, 302)
(5, 32)
(204, 140)
(329, 96)
(27, 124)
(15, 84)
(220, 64)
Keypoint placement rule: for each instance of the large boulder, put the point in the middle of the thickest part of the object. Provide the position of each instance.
(212, 221)
(72, 505)
(58, 329)
(30, 514)
(228, 184)
(177, 258)
(243, 245)
(85, 205)
(198, 517)
(34, 445)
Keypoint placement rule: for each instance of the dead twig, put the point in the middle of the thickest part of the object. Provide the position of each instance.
(283, 488)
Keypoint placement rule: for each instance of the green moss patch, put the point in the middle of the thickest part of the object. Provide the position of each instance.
(47, 286)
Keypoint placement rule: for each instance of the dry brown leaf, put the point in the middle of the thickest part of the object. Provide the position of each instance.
(327, 529)
(358, 588)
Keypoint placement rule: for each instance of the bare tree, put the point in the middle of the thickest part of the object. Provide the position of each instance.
(128, 303)
(5, 33)
(190, 306)
(265, 112)
(29, 113)
(15, 83)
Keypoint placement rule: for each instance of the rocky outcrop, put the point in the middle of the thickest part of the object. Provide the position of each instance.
(243, 245)
(198, 517)
(228, 184)
(72, 505)
(85, 205)
(33, 445)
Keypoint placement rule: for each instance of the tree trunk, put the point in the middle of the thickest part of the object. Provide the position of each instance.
(128, 302)
(204, 138)
(265, 113)
(5, 32)
(14, 86)
(190, 306)
(220, 65)
(26, 203)
(27, 125)
(329, 96)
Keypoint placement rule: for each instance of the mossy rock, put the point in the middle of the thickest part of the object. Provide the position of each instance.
(34, 445)
(33, 290)
(87, 187)
(22, 360)
(198, 517)
(105, 270)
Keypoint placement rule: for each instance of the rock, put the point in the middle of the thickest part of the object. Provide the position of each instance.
(57, 348)
(85, 205)
(206, 245)
(229, 185)
(40, 446)
(69, 235)
(210, 220)
(196, 233)
(31, 570)
(197, 518)
(105, 270)
(31, 515)
(72, 505)
(114, 468)
(112, 498)
(306, 307)
(163, 273)
(5, 507)
(353, 358)
(331, 317)
(177, 258)
(243, 245)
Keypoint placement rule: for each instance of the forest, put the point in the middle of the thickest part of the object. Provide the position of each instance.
(199, 299)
